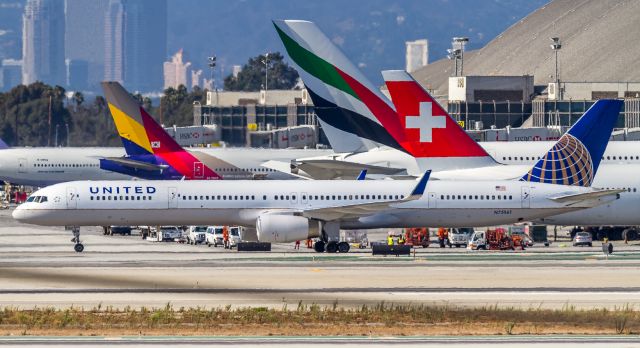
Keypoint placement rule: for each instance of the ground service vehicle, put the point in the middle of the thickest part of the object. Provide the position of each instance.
(122, 230)
(162, 234)
(583, 238)
(234, 236)
(418, 236)
(214, 236)
(196, 234)
(459, 237)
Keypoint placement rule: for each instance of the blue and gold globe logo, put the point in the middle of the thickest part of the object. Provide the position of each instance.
(567, 163)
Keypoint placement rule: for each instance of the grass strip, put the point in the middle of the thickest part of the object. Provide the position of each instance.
(313, 320)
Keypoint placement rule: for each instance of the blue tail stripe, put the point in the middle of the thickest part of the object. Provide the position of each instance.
(133, 149)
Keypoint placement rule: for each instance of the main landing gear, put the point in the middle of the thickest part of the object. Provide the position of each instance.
(331, 247)
(78, 247)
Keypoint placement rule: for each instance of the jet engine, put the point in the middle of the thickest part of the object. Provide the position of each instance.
(281, 228)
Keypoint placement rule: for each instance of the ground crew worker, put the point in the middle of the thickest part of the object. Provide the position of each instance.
(442, 235)
(389, 240)
(225, 237)
(297, 246)
(401, 240)
(309, 243)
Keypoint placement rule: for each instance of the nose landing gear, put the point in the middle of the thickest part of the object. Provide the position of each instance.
(78, 247)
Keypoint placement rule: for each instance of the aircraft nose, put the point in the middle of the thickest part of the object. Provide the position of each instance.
(18, 214)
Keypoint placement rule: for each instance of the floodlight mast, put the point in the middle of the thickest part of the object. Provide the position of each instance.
(556, 46)
(461, 41)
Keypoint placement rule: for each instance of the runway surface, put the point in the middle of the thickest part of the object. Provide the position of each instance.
(39, 268)
(463, 341)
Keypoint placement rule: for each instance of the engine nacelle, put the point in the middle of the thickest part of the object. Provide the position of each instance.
(280, 228)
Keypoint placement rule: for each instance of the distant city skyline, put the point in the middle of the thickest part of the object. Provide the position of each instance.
(129, 40)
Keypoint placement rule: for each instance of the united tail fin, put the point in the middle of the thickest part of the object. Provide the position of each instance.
(575, 158)
(352, 111)
(428, 131)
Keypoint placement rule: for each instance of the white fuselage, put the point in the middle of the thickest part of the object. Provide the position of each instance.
(240, 202)
(42, 166)
(47, 166)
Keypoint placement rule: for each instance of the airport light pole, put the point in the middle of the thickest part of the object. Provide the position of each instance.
(265, 61)
(454, 54)
(556, 46)
(459, 43)
(212, 66)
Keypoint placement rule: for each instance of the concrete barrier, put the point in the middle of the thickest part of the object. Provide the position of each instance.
(396, 250)
(254, 246)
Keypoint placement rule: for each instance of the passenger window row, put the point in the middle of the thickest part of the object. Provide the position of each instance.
(477, 197)
(65, 165)
(288, 197)
(608, 158)
(261, 170)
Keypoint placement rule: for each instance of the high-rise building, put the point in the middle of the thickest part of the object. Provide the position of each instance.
(11, 73)
(417, 54)
(114, 41)
(43, 42)
(136, 43)
(84, 37)
(196, 75)
(176, 71)
(77, 74)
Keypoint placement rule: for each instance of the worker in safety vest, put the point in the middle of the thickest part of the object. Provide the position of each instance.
(389, 240)
(443, 234)
(401, 240)
(225, 237)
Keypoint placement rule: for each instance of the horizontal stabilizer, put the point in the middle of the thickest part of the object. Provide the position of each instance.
(581, 197)
(332, 169)
(126, 162)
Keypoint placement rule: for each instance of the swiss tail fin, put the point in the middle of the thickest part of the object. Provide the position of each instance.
(427, 129)
(352, 111)
(575, 158)
(139, 132)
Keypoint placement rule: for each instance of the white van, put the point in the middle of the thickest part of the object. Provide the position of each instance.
(196, 235)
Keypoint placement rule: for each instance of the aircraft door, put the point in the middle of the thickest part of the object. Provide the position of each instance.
(526, 197)
(72, 198)
(22, 165)
(198, 170)
(433, 200)
(173, 198)
(293, 198)
(304, 199)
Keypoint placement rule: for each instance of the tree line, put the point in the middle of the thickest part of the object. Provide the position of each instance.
(40, 114)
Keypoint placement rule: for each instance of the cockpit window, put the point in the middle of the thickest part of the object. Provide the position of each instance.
(31, 198)
(43, 199)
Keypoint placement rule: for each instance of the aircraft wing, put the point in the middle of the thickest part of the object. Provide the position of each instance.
(571, 199)
(126, 162)
(360, 209)
(331, 169)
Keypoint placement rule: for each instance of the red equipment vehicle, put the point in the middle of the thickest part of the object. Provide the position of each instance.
(498, 239)
(418, 236)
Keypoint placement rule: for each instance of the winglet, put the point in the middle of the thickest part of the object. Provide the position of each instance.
(362, 175)
(421, 186)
